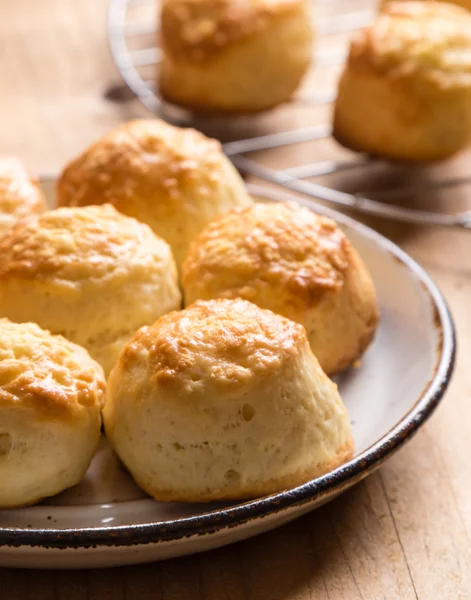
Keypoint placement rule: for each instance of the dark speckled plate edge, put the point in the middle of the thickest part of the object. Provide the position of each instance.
(328, 485)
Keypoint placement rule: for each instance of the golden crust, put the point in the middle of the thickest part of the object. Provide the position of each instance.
(283, 247)
(428, 40)
(196, 30)
(20, 194)
(140, 158)
(73, 245)
(175, 180)
(222, 343)
(46, 372)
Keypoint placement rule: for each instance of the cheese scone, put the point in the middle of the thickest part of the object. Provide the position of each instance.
(224, 400)
(405, 93)
(295, 263)
(233, 56)
(51, 396)
(89, 274)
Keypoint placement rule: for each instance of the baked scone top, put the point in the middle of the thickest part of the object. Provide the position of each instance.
(429, 39)
(219, 345)
(20, 194)
(77, 244)
(268, 246)
(138, 159)
(46, 372)
(197, 30)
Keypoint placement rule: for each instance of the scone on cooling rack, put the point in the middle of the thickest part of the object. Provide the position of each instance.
(90, 274)
(175, 180)
(51, 396)
(405, 93)
(295, 263)
(20, 194)
(224, 400)
(225, 56)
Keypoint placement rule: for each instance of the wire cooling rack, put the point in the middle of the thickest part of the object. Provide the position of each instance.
(133, 35)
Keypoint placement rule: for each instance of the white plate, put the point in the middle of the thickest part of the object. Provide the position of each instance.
(107, 521)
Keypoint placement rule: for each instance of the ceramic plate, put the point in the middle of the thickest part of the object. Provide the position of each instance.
(107, 520)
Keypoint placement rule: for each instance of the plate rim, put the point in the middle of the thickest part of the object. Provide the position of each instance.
(330, 484)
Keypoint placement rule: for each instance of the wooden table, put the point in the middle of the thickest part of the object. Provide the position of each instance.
(404, 533)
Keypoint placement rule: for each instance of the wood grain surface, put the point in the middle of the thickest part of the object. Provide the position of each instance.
(405, 532)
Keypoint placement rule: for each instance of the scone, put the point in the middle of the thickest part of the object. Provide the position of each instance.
(223, 401)
(405, 93)
(233, 56)
(20, 194)
(295, 263)
(463, 3)
(51, 396)
(90, 274)
(175, 180)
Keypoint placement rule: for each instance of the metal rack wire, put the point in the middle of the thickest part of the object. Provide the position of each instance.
(133, 37)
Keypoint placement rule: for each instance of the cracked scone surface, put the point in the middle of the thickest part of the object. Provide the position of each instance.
(175, 180)
(287, 259)
(405, 92)
(243, 56)
(90, 274)
(224, 400)
(20, 194)
(51, 396)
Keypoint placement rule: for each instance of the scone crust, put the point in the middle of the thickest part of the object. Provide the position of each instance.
(427, 40)
(140, 159)
(239, 343)
(74, 245)
(197, 30)
(175, 180)
(47, 373)
(252, 251)
(20, 193)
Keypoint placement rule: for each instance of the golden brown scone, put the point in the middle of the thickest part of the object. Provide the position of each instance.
(463, 3)
(295, 263)
(20, 194)
(51, 396)
(405, 93)
(222, 401)
(90, 274)
(233, 56)
(175, 180)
